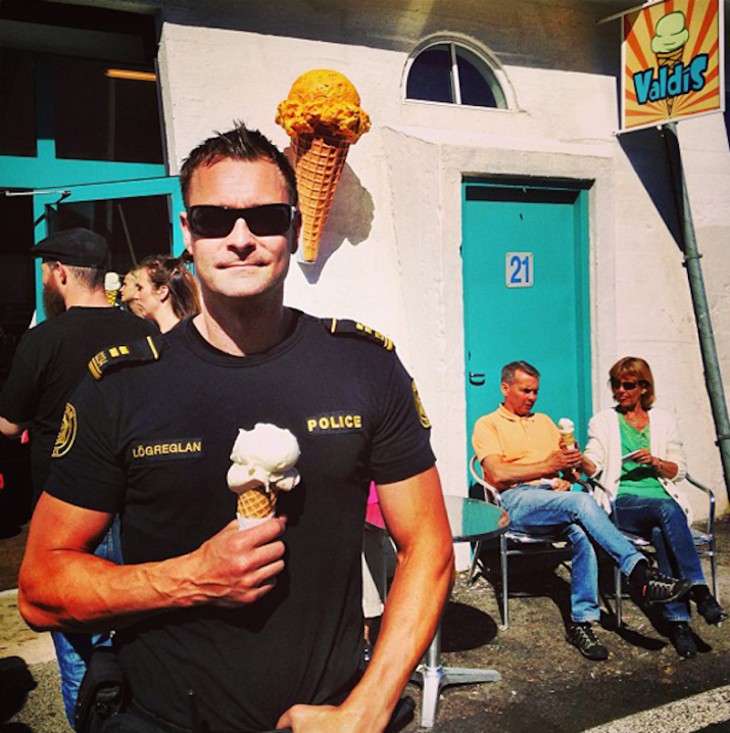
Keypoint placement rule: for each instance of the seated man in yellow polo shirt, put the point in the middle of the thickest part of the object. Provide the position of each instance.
(524, 457)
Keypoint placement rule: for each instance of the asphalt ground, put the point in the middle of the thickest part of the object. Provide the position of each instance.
(545, 686)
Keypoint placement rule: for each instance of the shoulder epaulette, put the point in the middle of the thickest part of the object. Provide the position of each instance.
(340, 327)
(137, 352)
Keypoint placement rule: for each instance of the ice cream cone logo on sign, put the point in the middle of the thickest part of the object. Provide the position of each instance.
(323, 117)
(670, 38)
(672, 59)
(263, 461)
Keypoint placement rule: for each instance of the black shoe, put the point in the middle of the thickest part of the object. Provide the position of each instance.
(659, 588)
(682, 639)
(711, 610)
(581, 635)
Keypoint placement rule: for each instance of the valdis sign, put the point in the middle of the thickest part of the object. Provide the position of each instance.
(672, 62)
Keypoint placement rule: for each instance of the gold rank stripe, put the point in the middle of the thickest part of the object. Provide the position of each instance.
(154, 351)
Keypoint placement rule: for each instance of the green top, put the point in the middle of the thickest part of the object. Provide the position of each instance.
(637, 479)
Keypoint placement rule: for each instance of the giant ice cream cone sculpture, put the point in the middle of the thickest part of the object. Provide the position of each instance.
(263, 464)
(670, 37)
(323, 117)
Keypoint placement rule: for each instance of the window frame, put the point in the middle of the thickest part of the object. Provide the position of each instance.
(480, 58)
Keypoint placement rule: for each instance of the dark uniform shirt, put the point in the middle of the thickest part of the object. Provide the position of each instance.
(49, 363)
(153, 442)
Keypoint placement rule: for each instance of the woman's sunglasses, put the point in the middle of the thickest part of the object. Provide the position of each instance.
(628, 386)
(218, 221)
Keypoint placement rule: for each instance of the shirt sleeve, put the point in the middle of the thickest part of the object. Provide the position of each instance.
(401, 444)
(485, 440)
(85, 470)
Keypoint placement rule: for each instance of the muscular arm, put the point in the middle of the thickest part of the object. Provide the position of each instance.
(64, 586)
(416, 518)
(503, 474)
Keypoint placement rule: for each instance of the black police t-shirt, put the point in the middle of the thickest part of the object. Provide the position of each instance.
(153, 442)
(49, 364)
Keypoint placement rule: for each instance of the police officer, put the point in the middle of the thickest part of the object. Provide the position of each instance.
(262, 627)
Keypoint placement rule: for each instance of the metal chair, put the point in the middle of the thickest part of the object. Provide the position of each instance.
(512, 543)
(704, 540)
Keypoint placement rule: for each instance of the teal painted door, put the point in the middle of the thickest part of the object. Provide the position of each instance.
(525, 276)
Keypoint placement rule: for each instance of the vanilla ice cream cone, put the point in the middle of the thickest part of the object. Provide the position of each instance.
(318, 162)
(263, 462)
(567, 432)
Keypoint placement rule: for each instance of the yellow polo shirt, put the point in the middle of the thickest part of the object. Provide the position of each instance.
(519, 440)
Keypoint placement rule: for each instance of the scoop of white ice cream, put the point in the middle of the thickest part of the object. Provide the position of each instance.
(565, 425)
(264, 456)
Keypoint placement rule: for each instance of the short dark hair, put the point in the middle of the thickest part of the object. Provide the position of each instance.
(508, 371)
(92, 278)
(240, 143)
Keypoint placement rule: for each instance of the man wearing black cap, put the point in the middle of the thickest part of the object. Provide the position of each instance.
(52, 358)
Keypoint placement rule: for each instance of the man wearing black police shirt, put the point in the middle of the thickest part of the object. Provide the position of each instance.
(259, 627)
(51, 359)
(49, 363)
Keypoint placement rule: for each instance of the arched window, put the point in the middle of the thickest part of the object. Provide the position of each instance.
(449, 72)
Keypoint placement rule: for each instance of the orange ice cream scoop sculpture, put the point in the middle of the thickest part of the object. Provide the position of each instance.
(323, 117)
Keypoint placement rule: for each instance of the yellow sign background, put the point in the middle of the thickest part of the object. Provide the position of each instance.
(645, 105)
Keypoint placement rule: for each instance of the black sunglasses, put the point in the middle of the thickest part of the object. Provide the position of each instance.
(628, 386)
(263, 221)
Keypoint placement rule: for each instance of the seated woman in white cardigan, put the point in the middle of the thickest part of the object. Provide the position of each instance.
(636, 451)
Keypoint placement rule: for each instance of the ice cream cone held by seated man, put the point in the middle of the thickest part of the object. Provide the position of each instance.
(525, 458)
(253, 636)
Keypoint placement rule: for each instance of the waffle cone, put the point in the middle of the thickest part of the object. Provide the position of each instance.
(257, 503)
(669, 59)
(319, 162)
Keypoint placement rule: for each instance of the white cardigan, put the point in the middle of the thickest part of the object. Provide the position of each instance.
(604, 450)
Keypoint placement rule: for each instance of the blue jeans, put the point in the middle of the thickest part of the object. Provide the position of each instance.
(541, 510)
(74, 650)
(665, 524)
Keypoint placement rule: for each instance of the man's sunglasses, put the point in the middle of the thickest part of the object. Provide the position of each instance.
(628, 386)
(218, 221)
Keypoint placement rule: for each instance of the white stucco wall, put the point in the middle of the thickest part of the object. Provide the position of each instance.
(390, 254)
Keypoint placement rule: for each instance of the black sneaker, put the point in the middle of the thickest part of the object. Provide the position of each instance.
(711, 610)
(659, 588)
(581, 635)
(682, 639)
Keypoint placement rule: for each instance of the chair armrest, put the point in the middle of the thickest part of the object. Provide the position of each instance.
(490, 493)
(710, 499)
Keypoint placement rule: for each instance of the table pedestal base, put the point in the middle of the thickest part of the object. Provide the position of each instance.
(432, 678)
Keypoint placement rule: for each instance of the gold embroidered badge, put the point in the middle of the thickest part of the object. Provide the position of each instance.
(422, 416)
(66, 433)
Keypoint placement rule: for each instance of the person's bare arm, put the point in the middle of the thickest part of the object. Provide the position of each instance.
(64, 586)
(416, 518)
(503, 474)
(10, 429)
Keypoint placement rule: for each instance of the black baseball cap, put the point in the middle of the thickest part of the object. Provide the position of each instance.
(76, 247)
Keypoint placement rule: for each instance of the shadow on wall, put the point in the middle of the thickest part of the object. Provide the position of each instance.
(648, 152)
(351, 218)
